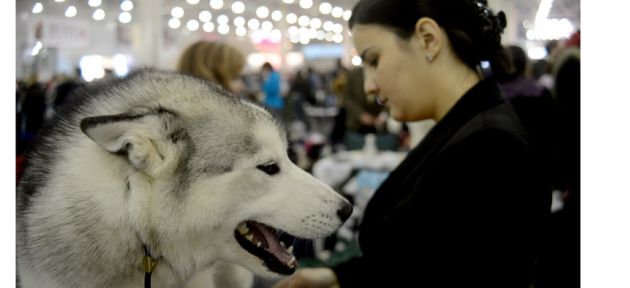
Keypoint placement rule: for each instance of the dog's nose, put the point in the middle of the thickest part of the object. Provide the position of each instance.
(345, 212)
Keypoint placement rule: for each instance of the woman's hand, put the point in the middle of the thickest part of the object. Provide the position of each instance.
(310, 278)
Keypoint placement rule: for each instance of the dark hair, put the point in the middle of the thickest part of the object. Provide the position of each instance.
(519, 59)
(267, 66)
(473, 30)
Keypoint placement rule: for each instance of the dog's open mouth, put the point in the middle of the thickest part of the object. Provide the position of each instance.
(263, 242)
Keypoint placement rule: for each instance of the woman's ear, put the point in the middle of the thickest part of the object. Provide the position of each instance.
(428, 35)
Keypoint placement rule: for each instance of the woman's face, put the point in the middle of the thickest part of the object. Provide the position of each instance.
(395, 71)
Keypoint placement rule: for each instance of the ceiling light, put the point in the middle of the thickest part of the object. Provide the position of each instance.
(126, 5)
(94, 3)
(223, 19)
(177, 12)
(316, 23)
(238, 7)
(205, 16)
(208, 27)
(328, 26)
(288, 1)
(347, 14)
(276, 15)
(304, 21)
(253, 24)
(223, 29)
(241, 31)
(267, 26)
(325, 8)
(38, 8)
(338, 38)
(192, 2)
(239, 21)
(216, 4)
(306, 4)
(192, 25)
(124, 17)
(338, 28)
(262, 12)
(98, 14)
(71, 11)
(337, 12)
(291, 18)
(174, 23)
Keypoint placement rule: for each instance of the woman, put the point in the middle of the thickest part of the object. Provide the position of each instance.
(470, 193)
(213, 61)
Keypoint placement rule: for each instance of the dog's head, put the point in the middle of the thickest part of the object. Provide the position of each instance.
(210, 179)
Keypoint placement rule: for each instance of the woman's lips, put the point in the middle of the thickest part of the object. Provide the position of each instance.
(381, 101)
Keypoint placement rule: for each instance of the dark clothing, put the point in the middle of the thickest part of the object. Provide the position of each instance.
(538, 112)
(465, 208)
(522, 87)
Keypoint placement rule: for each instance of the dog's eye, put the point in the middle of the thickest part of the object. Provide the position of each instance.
(269, 168)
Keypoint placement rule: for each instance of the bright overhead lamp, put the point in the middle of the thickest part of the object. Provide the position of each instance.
(174, 23)
(192, 25)
(276, 15)
(124, 17)
(306, 4)
(71, 11)
(126, 5)
(38, 8)
(238, 7)
(205, 16)
(262, 12)
(177, 12)
(325, 8)
(216, 4)
(94, 3)
(98, 14)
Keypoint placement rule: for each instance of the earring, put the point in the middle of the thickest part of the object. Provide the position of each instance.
(429, 57)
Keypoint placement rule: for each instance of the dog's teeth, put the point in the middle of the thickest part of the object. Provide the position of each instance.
(292, 262)
(290, 249)
(243, 229)
(258, 244)
(250, 237)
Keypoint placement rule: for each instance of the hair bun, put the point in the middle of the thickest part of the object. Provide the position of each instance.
(502, 20)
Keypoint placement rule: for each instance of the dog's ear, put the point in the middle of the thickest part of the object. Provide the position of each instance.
(151, 142)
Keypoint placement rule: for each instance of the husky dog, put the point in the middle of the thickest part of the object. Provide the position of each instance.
(165, 166)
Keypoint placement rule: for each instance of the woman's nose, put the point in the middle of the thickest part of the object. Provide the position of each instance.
(369, 85)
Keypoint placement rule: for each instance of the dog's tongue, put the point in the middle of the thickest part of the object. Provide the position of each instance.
(273, 246)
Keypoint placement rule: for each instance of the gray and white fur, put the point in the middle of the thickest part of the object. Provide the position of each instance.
(162, 160)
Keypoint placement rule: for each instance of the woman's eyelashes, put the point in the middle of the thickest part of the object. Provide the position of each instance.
(372, 61)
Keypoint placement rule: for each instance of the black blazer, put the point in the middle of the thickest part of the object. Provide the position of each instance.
(466, 208)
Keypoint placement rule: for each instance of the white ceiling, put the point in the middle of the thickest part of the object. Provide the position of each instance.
(526, 9)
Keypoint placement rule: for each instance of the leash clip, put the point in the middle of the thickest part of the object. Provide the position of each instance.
(149, 264)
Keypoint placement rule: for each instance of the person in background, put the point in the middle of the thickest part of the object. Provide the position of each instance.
(561, 262)
(362, 110)
(271, 89)
(467, 207)
(534, 105)
(216, 62)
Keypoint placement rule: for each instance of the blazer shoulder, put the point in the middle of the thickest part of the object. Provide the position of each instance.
(498, 122)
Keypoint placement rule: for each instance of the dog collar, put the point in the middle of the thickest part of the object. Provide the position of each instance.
(148, 264)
